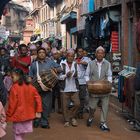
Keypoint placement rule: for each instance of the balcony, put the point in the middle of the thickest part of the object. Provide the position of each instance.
(36, 10)
(72, 16)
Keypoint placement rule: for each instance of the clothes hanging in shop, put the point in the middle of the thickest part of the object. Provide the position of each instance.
(115, 41)
(137, 105)
(137, 78)
(105, 26)
(130, 93)
(121, 95)
(138, 35)
(88, 28)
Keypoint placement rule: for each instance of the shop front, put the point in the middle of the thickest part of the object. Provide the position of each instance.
(70, 21)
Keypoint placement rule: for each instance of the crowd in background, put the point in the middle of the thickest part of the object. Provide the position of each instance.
(20, 64)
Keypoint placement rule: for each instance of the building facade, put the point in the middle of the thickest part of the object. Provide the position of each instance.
(28, 30)
(90, 23)
(14, 19)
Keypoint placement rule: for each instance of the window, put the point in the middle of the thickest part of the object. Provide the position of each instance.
(101, 3)
(108, 2)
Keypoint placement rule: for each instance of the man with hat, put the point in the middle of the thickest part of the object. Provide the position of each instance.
(44, 64)
(98, 70)
(69, 89)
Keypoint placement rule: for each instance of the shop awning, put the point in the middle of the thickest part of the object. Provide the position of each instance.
(69, 17)
(2, 5)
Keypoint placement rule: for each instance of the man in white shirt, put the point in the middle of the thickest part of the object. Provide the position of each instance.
(69, 89)
(99, 69)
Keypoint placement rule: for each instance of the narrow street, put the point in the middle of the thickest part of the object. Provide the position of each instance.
(68, 54)
(119, 130)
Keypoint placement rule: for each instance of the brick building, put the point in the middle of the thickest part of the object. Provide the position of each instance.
(28, 30)
(14, 17)
(14, 20)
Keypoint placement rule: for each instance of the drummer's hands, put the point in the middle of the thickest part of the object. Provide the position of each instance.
(55, 70)
(69, 74)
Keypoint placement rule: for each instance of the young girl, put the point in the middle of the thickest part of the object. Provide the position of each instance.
(21, 109)
(2, 121)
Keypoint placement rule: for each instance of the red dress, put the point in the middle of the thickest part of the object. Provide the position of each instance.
(24, 102)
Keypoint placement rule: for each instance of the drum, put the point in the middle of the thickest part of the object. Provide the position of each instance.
(48, 78)
(99, 87)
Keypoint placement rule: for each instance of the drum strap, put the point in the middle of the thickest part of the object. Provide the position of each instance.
(39, 80)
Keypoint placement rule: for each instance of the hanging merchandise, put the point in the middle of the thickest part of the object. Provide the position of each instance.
(137, 93)
(138, 35)
(125, 86)
(115, 41)
(121, 92)
(88, 28)
(104, 23)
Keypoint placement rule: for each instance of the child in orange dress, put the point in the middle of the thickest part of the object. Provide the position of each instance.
(24, 105)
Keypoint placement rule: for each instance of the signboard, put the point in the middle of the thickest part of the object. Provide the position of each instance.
(88, 6)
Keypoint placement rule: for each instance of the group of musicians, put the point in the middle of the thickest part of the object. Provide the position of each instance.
(74, 70)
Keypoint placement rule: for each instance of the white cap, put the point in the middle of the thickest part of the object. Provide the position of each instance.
(100, 48)
(70, 51)
(44, 45)
(33, 47)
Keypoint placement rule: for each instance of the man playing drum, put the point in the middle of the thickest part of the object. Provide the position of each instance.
(98, 70)
(44, 64)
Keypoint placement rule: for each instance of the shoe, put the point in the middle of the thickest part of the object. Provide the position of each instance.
(89, 122)
(74, 122)
(136, 127)
(104, 127)
(67, 124)
(45, 126)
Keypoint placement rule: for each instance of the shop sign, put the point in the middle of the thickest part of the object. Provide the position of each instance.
(88, 6)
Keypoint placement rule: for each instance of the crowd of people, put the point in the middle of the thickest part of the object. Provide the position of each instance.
(28, 107)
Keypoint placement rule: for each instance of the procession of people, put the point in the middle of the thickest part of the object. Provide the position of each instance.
(37, 80)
